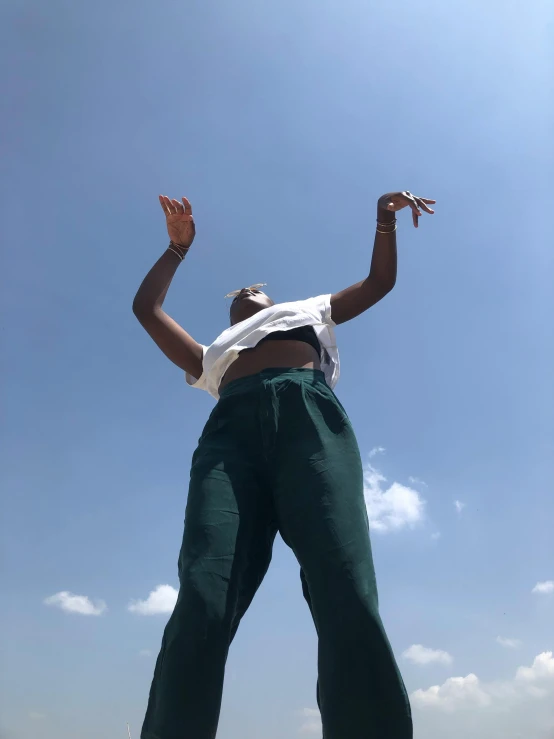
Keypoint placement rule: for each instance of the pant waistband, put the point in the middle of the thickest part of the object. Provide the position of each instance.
(255, 382)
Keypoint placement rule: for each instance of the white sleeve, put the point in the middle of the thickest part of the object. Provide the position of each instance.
(194, 381)
(321, 306)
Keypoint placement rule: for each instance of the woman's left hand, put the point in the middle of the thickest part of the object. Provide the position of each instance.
(394, 201)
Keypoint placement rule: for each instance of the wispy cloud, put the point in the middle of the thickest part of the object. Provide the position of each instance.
(544, 588)
(508, 643)
(421, 655)
(459, 506)
(391, 508)
(436, 535)
(377, 450)
(145, 653)
(417, 481)
(469, 693)
(71, 603)
(311, 723)
(161, 600)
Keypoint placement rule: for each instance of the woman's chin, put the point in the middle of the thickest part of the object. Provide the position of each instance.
(246, 309)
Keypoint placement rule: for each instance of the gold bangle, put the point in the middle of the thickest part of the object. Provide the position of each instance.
(386, 232)
(170, 248)
(180, 248)
(390, 223)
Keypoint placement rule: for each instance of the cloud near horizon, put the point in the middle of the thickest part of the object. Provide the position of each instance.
(312, 721)
(80, 604)
(393, 508)
(420, 655)
(160, 600)
(469, 693)
(376, 450)
(508, 643)
(544, 588)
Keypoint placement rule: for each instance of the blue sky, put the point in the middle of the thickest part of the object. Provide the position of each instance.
(283, 123)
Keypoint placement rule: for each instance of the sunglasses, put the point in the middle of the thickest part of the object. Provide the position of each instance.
(255, 288)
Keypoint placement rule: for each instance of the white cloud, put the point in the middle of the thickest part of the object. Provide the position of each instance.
(392, 508)
(455, 693)
(421, 655)
(459, 693)
(544, 588)
(312, 721)
(145, 653)
(76, 604)
(542, 667)
(377, 450)
(161, 600)
(459, 506)
(508, 643)
(417, 481)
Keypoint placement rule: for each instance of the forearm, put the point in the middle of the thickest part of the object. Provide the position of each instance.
(384, 259)
(151, 294)
(356, 299)
(171, 338)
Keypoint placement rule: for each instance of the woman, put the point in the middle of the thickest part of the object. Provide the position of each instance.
(278, 454)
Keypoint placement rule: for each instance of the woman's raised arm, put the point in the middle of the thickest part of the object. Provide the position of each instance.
(173, 340)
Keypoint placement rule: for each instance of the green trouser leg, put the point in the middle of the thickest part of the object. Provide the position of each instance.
(227, 544)
(318, 490)
(278, 452)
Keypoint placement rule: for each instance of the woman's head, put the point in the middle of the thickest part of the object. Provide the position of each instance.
(247, 302)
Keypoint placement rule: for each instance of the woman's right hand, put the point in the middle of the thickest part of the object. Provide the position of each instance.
(180, 223)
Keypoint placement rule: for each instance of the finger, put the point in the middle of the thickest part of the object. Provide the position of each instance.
(426, 200)
(164, 206)
(415, 210)
(423, 206)
(177, 205)
(188, 206)
(169, 205)
(412, 202)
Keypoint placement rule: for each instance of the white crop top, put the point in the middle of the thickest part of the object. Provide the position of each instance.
(222, 353)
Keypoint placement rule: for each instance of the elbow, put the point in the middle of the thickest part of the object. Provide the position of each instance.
(141, 310)
(384, 287)
(138, 308)
(378, 285)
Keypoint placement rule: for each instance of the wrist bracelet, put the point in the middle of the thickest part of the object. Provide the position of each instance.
(386, 232)
(179, 246)
(178, 249)
(170, 248)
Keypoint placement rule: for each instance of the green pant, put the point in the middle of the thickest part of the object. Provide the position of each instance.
(278, 454)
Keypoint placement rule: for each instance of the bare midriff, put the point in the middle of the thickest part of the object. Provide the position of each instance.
(272, 354)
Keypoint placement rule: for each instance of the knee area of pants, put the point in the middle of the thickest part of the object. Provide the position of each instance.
(347, 617)
(345, 592)
(211, 608)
